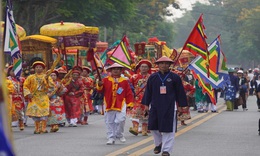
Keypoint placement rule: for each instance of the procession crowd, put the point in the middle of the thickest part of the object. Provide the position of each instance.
(154, 96)
(243, 83)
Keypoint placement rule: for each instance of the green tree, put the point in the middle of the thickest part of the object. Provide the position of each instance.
(244, 17)
(32, 14)
(139, 19)
(236, 21)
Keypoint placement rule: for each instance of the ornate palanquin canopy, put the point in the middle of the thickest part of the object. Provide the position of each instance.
(41, 38)
(91, 30)
(62, 29)
(38, 46)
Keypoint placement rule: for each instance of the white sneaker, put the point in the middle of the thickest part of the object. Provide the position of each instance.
(122, 139)
(110, 142)
(245, 109)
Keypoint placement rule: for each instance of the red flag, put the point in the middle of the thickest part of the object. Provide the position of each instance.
(94, 61)
(206, 87)
(196, 42)
(90, 54)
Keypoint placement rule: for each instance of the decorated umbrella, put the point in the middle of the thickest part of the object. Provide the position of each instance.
(91, 36)
(41, 38)
(69, 34)
(62, 29)
(20, 30)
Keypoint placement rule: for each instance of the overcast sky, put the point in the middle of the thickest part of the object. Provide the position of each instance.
(184, 6)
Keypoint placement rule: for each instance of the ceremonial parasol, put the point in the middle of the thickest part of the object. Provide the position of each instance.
(69, 34)
(91, 36)
(62, 29)
(91, 30)
(19, 30)
(41, 38)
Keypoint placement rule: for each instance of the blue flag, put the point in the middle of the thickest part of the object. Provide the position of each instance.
(11, 41)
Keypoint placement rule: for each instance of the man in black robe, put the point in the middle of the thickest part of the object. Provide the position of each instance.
(164, 91)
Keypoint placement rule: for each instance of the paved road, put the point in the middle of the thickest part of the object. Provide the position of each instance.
(215, 134)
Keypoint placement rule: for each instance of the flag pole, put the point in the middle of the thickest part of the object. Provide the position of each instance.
(99, 75)
(77, 57)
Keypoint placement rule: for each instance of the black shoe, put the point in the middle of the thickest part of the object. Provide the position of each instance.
(62, 124)
(157, 149)
(165, 153)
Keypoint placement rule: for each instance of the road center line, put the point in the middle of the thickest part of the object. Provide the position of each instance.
(144, 141)
(184, 130)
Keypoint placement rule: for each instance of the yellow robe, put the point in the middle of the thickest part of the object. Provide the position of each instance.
(10, 88)
(38, 86)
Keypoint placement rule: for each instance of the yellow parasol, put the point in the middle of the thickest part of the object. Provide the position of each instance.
(41, 38)
(91, 30)
(19, 30)
(62, 29)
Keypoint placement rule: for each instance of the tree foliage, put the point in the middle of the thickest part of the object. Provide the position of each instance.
(236, 20)
(136, 18)
(245, 30)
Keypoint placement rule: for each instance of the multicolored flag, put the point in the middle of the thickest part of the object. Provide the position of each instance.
(121, 54)
(206, 87)
(196, 42)
(222, 61)
(11, 40)
(103, 57)
(199, 66)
